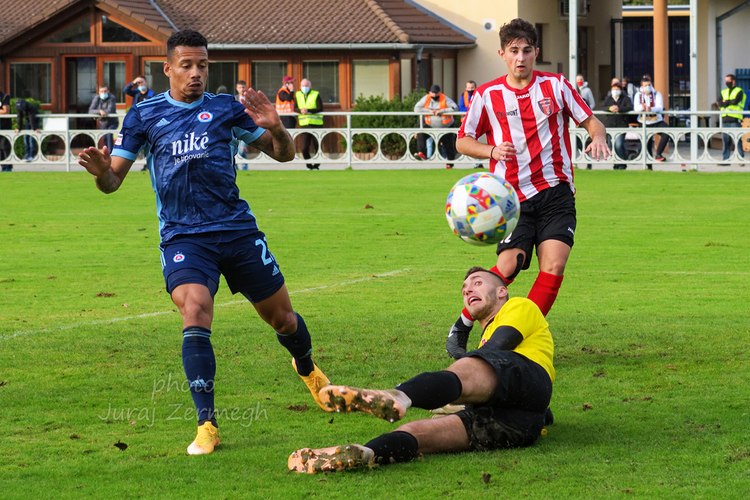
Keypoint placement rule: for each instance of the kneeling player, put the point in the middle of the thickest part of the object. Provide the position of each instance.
(506, 385)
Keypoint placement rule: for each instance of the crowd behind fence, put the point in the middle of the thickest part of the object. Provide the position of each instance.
(58, 143)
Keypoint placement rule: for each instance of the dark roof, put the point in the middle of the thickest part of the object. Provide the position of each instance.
(18, 18)
(292, 22)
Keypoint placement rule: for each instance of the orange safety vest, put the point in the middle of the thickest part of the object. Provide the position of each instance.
(284, 106)
(447, 119)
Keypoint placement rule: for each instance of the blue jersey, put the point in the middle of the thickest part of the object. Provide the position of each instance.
(190, 153)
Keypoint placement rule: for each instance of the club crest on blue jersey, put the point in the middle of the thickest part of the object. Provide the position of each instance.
(178, 257)
(205, 116)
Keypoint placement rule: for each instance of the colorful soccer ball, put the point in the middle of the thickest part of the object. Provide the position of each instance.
(482, 209)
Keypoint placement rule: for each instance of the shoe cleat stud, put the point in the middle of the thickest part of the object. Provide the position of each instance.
(348, 447)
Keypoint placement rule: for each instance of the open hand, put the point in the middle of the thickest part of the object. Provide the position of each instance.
(95, 161)
(598, 150)
(260, 109)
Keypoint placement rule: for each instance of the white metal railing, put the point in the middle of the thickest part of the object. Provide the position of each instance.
(53, 142)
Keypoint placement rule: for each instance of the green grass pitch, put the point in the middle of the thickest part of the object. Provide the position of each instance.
(651, 329)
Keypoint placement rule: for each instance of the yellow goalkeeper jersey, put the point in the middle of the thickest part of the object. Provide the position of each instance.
(523, 315)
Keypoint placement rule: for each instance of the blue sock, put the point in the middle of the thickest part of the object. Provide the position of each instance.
(300, 347)
(200, 368)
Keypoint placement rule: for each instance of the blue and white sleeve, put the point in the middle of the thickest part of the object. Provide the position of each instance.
(132, 137)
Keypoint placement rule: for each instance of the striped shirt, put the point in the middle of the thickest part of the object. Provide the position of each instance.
(535, 120)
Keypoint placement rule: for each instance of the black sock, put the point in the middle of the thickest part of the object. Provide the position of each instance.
(432, 390)
(200, 368)
(299, 346)
(397, 446)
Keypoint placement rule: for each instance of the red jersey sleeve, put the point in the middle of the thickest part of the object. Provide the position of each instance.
(476, 123)
(574, 104)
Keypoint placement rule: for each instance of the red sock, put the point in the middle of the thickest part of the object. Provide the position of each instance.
(466, 316)
(544, 291)
(497, 271)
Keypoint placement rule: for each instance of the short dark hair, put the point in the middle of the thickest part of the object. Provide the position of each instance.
(185, 38)
(616, 85)
(646, 78)
(141, 76)
(241, 82)
(518, 29)
(472, 82)
(731, 75)
(478, 269)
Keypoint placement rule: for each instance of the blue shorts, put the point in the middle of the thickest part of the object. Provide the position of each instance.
(242, 257)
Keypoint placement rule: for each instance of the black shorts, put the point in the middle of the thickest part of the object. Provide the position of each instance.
(242, 257)
(514, 416)
(549, 215)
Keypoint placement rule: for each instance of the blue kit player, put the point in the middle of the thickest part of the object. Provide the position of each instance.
(190, 137)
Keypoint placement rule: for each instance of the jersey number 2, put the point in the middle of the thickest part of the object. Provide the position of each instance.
(266, 260)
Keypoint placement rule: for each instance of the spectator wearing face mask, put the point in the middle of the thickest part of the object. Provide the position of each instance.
(733, 102)
(617, 102)
(433, 106)
(138, 90)
(650, 102)
(309, 105)
(583, 89)
(105, 104)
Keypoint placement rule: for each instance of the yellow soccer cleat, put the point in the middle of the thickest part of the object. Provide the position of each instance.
(315, 381)
(206, 440)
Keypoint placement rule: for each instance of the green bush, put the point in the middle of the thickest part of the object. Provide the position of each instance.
(391, 144)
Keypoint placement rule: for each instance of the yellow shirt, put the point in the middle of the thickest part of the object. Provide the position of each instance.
(523, 315)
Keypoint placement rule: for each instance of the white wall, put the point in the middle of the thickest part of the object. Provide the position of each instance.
(484, 64)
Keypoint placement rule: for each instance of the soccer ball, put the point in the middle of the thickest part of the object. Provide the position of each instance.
(482, 209)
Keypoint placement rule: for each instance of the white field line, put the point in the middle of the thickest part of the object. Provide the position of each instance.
(149, 315)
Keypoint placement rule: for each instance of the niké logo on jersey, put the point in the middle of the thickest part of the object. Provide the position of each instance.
(190, 144)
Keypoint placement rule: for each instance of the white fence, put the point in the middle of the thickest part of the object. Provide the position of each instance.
(395, 146)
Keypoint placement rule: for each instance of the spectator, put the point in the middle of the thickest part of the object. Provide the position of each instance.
(465, 101)
(650, 102)
(434, 105)
(285, 102)
(105, 104)
(628, 87)
(138, 90)
(309, 105)
(222, 89)
(241, 88)
(585, 91)
(617, 102)
(26, 116)
(588, 97)
(732, 100)
(5, 125)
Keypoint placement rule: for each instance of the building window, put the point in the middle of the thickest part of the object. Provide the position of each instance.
(443, 74)
(222, 77)
(154, 73)
(370, 78)
(114, 32)
(114, 77)
(31, 80)
(540, 43)
(79, 32)
(267, 77)
(324, 77)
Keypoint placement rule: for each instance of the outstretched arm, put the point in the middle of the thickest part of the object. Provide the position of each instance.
(598, 147)
(109, 171)
(275, 141)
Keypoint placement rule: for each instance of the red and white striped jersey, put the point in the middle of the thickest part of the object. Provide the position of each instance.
(535, 120)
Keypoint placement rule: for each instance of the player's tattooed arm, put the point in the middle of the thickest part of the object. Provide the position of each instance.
(276, 143)
(109, 171)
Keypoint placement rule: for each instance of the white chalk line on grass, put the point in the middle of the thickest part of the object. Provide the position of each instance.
(149, 315)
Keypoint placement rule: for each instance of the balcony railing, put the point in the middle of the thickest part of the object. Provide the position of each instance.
(60, 143)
